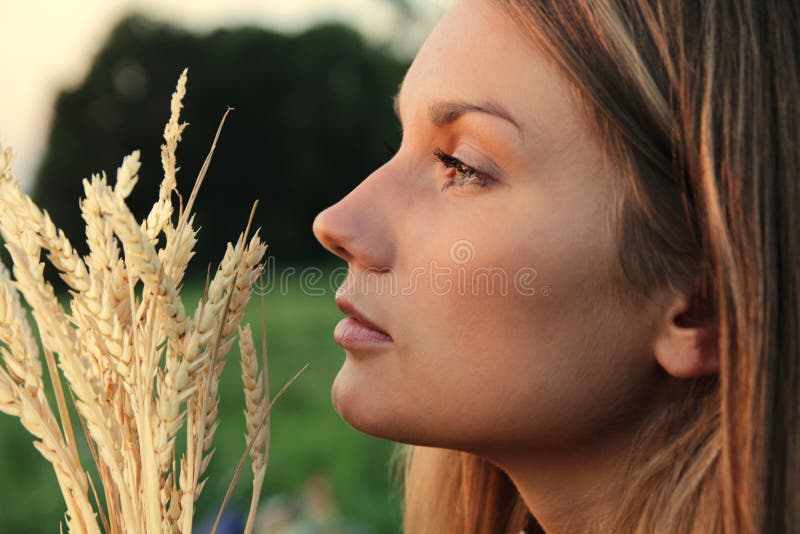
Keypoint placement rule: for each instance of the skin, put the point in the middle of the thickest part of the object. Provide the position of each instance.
(550, 387)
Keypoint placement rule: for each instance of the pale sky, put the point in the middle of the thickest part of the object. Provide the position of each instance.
(46, 45)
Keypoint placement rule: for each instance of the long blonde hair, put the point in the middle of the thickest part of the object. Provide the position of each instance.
(699, 103)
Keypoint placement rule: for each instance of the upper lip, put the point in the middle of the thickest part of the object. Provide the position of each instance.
(349, 309)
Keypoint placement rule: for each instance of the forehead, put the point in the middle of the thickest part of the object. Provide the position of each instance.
(477, 53)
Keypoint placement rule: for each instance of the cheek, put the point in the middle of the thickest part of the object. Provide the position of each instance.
(496, 364)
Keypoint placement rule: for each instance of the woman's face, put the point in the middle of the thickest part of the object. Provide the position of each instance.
(485, 249)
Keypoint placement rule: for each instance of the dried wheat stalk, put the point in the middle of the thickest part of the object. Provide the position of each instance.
(138, 368)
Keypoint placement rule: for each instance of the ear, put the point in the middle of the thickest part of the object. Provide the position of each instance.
(686, 345)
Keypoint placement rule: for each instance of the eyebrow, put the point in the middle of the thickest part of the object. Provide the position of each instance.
(445, 113)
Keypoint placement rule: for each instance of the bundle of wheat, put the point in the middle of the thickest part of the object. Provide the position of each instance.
(137, 366)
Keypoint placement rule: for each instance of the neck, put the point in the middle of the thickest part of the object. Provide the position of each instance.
(567, 491)
(572, 488)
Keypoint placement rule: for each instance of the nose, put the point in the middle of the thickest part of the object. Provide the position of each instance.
(330, 235)
(356, 228)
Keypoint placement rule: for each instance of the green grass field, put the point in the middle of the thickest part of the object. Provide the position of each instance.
(309, 439)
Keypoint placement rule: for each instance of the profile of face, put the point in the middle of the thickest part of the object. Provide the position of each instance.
(485, 249)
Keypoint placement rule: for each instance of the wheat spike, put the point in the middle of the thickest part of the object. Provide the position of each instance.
(22, 215)
(256, 393)
(142, 258)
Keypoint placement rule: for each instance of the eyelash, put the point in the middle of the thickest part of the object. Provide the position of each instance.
(467, 175)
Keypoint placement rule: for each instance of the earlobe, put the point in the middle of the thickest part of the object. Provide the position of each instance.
(686, 348)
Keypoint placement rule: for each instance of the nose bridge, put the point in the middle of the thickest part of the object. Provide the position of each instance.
(357, 228)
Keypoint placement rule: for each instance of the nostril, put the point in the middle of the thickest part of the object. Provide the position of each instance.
(342, 252)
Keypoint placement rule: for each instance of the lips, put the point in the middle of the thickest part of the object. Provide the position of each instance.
(350, 310)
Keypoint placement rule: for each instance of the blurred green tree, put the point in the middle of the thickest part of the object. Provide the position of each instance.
(312, 112)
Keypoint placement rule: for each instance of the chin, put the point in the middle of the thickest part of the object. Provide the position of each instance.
(357, 405)
(366, 409)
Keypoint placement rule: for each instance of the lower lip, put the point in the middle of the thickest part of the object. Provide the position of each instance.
(351, 334)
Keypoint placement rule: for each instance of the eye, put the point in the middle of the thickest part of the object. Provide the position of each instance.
(464, 174)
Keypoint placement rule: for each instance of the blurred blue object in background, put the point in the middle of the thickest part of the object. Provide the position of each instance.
(232, 522)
